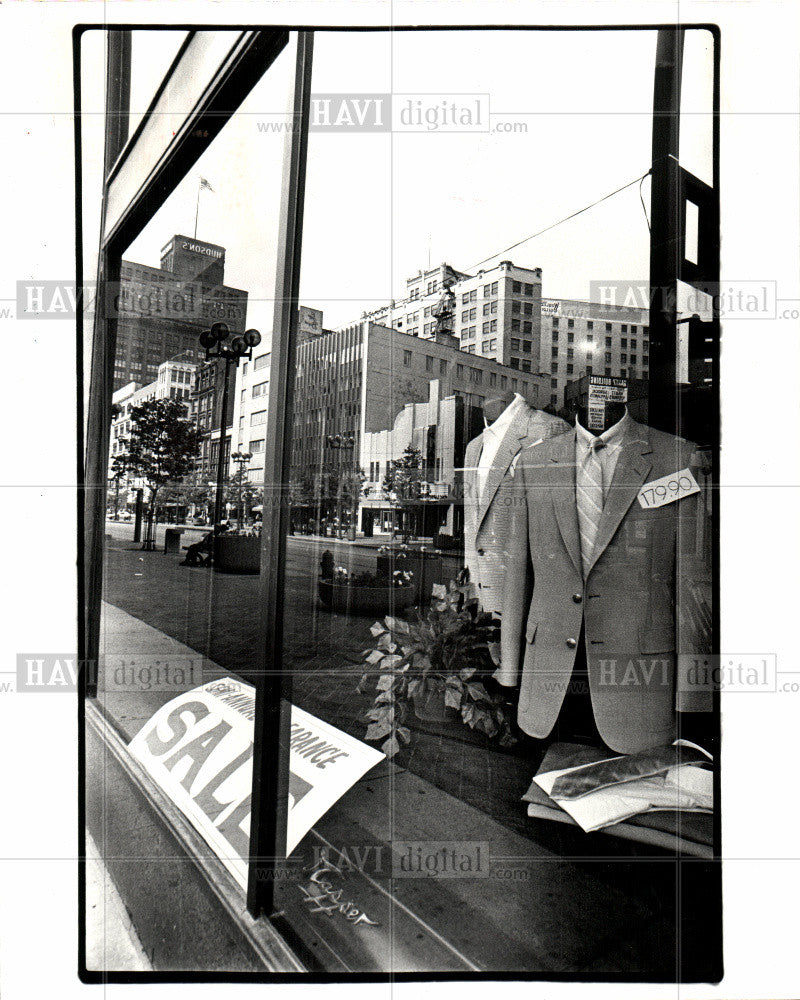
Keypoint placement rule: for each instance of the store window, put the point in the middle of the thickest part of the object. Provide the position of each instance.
(368, 505)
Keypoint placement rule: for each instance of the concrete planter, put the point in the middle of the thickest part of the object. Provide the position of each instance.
(348, 599)
(237, 553)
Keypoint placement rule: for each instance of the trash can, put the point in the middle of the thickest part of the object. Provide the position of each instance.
(172, 540)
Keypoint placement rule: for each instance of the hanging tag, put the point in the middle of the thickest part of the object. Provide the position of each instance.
(668, 489)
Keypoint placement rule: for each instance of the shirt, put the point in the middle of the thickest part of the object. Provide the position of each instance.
(613, 439)
(493, 435)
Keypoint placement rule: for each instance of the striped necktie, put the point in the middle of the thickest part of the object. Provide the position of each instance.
(589, 497)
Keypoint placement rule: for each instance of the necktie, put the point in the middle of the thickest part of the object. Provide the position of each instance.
(589, 497)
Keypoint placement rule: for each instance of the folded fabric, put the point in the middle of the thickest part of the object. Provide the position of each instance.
(614, 771)
(677, 789)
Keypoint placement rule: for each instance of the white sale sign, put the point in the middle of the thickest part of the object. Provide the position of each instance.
(199, 750)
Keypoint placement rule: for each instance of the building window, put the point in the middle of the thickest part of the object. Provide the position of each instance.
(633, 345)
(623, 359)
(608, 357)
(515, 325)
(261, 362)
(570, 352)
(493, 344)
(514, 363)
(554, 352)
(528, 289)
(555, 322)
(633, 329)
(471, 349)
(476, 376)
(555, 336)
(645, 329)
(516, 307)
(527, 327)
(428, 363)
(554, 367)
(407, 358)
(442, 366)
(516, 287)
(258, 418)
(571, 324)
(260, 389)
(459, 371)
(633, 359)
(590, 336)
(503, 381)
(493, 326)
(570, 369)
(256, 447)
(623, 342)
(608, 328)
(624, 372)
(623, 328)
(590, 325)
(553, 383)
(608, 341)
(485, 346)
(570, 338)
(608, 371)
(589, 356)
(588, 369)
(514, 384)
(526, 366)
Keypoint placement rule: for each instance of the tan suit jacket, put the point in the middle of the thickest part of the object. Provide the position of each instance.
(487, 517)
(634, 604)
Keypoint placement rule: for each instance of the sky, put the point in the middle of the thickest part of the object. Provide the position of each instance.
(380, 206)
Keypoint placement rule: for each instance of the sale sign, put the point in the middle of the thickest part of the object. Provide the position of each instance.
(199, 749)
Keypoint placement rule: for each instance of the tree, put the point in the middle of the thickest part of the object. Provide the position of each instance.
(162, 449)
(403, 485)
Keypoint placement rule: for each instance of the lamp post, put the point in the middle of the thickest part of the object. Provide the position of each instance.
(241, 458)
(343, 442)
(240, 347)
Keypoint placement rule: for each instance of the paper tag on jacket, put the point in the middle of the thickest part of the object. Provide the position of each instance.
(668, 489)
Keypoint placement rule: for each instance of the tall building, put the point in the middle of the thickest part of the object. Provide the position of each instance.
(162, 310)
(588, 338)
(497, 311)
(174, 380)
(352, 384)
(206, 411)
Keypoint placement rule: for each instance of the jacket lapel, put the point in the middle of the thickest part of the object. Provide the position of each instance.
(510, 445)
(560, 473)
(629, 476)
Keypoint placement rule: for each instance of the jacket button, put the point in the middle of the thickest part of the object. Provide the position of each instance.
(480, 552)
(577, 598)
(572, 643)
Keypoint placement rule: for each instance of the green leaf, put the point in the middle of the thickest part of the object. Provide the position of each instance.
(397, 625)
(385, 642)
(438, 590)
(452, 698)
(404, 733)
(494, 652)
(375, 656)
(385, 698)
(466, 672)
(377, 629)
(385, 682)
(377, 730)
(467, 712)
(478, 692)
(413, 686)
(390, 660)
(391, 747)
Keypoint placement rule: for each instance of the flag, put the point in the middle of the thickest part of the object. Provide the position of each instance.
(204, 184)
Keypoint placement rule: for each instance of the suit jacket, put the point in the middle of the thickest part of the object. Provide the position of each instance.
(635, 604)
(487, 518)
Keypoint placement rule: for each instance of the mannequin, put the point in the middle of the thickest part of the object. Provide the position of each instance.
(511, 425)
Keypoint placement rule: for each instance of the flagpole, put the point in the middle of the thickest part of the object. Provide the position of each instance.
(197, 206)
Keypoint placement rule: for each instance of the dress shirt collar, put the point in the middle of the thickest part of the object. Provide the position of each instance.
(614, 436)
(503, 422)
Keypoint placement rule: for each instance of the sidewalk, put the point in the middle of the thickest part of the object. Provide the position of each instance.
(111, 939)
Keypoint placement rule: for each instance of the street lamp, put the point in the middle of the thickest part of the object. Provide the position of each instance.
(240, 347)
(241, 458)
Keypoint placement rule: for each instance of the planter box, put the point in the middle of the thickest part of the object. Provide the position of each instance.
(427, 567)
(237, 553)
(429, 705)
(377, 601)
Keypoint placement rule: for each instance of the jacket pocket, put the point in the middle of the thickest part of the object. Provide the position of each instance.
(530, 634)
(657, 640)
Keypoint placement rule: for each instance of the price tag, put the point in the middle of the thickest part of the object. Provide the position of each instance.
(668, 489)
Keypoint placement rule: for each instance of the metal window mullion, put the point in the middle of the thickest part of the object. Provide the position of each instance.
(273, 684)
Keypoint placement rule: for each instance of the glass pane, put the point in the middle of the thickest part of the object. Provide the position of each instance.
(485, 252)
(152, 53)
(182, 556)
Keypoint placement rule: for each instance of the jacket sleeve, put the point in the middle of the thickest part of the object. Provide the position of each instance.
(518, 578)
(693, 692)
